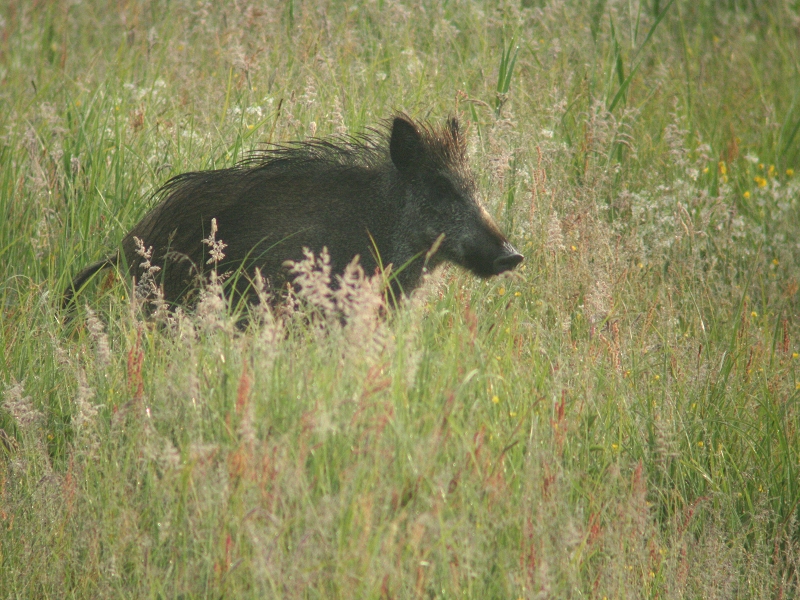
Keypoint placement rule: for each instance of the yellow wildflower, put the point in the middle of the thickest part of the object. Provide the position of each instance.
(746, 195)
(723, 169)
(789, 172)
(760, 182)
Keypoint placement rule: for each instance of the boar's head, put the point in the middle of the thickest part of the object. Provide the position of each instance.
(441, 198)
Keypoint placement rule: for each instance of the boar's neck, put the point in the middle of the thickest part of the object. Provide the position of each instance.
(408, 246)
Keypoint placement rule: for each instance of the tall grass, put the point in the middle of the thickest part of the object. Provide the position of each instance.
(618, 418)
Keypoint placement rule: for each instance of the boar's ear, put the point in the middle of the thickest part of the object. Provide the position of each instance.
(452, 125)
(455, 133)
(405, 145)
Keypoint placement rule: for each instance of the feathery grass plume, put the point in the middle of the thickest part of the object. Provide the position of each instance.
(313, 280)
(666, 446)
(38, 175)
(161, 312)
(260, 287)
(555, 236)
(337, 117)
(263, 295)
(183, 325)
(270, 329)
(147, 290)
(20, 406)
(360, 301)
(83, 418)
(146, 286)
(675, 137)
(41, 239)
(239, 58)
(354, 306)
(215, 246)
(102, 350)
(599, 135)
(212, 307)
(291, 124)
(598, 300)
(408, 327)
(309, 95)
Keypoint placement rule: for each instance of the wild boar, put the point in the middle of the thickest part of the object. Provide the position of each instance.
(386, 196)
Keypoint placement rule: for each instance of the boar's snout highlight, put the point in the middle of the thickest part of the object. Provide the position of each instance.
(479, 246)
(508, 260)
(386, 196)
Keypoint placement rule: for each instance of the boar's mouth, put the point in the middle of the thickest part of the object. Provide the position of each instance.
(487, 264)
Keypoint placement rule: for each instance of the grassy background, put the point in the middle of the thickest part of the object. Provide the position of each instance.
(618, 418)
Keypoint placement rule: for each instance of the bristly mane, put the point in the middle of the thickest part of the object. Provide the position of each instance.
(445, 150)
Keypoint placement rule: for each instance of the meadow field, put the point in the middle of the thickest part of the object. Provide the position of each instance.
(617, 418)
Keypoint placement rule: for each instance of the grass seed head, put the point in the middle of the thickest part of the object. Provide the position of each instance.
(20, 406)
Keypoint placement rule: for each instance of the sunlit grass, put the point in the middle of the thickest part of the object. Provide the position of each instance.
(617, 418)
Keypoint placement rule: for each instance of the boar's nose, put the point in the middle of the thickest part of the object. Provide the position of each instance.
(510, 259)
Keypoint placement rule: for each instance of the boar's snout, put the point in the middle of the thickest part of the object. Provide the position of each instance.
(489, 261)
(509, 259)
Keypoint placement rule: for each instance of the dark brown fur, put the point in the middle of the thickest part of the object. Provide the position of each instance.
(359, 196)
